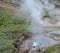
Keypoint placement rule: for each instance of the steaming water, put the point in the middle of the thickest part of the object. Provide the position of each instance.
(35, 8)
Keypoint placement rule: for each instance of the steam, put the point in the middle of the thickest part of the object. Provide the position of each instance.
(35, 9)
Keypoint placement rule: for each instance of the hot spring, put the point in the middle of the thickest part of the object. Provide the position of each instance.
(35, 9)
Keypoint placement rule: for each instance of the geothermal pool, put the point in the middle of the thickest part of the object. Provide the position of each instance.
(39, 40)
(35, 9)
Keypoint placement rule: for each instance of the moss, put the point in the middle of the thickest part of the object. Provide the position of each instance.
(53, 49)
(11, 28)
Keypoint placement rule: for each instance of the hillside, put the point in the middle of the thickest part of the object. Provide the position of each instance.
(20, 26)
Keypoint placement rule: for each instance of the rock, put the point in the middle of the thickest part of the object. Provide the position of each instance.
(43, 48)
(13, 2)
(24, 49)
(33, 50)
(55, 35)
(40, 52)
(27, 35)
(6, 0)
(57, 38)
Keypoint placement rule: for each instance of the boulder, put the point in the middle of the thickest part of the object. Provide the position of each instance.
(43, 48)
(33, 50)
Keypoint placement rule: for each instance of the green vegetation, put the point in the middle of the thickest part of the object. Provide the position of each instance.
(53, 49)
(11, 28)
